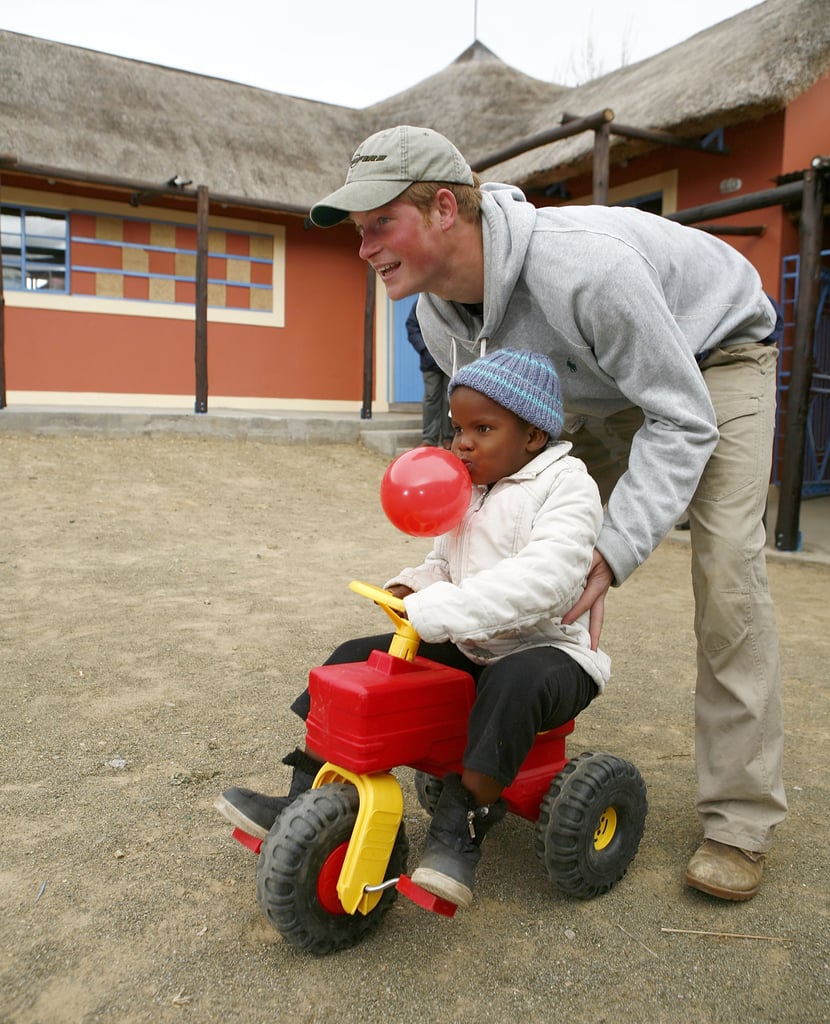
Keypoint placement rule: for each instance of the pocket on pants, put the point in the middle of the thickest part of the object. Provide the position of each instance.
(741, 383)
(735, 463)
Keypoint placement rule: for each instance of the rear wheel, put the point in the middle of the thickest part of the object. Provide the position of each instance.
(299, 865)
(590, 823)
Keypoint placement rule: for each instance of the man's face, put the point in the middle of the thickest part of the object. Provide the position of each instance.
(491, 441)
(402, 246)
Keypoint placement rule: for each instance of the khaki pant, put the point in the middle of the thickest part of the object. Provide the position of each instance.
(738, 718)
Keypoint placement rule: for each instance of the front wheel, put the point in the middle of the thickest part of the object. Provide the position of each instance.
(299, 865)
(590, 824)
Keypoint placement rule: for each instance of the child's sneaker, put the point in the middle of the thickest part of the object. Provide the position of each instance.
(256, 813)
(447, 868)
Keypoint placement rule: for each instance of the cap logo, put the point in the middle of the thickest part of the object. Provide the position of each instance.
(359, 158)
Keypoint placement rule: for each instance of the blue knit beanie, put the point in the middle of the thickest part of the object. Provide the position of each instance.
(523, 382)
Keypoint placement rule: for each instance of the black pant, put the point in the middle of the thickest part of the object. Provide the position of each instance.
(516, 697)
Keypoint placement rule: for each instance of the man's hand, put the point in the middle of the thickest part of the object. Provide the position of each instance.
(599, 580)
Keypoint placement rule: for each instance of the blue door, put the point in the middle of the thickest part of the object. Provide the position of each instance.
(405, 381)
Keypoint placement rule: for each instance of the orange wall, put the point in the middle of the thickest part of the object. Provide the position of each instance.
(325, 291)
(807, 126)
(52, 350)
(317, 355)
(756, 155)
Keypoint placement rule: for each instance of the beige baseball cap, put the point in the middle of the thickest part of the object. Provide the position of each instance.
(385, 165)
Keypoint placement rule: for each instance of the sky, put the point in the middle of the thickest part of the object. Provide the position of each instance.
(358, 52)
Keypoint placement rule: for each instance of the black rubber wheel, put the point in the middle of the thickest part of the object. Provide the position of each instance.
(590, 824)
(428, 790)
(299, 865)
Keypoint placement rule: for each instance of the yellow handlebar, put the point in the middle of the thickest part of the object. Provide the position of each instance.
(406, 640)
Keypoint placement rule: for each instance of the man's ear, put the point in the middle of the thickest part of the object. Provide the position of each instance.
(536, 439)
(446, 206)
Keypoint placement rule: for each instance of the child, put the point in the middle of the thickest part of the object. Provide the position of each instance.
(489, 599)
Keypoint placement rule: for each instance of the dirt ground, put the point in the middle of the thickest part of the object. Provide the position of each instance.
(162, 601)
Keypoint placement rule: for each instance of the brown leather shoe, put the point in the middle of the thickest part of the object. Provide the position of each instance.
(727, 872)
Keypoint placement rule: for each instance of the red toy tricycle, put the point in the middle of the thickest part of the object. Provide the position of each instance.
(333, 863)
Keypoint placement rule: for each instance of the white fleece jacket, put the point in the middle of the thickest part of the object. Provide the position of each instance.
(502, 580)
(622, 302)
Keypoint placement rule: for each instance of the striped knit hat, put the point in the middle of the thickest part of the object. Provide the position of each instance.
(523, 382)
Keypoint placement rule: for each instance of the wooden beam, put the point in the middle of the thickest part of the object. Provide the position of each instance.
(739, 204)
(368, 345)
(665, 139)
(201, 298)
(601, 164)
(732, 229)
(801, 375)
(571, 126)
(147, 189)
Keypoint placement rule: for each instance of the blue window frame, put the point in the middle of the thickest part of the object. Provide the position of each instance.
(35, 246)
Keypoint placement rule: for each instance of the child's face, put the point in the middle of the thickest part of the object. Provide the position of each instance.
(491, 441)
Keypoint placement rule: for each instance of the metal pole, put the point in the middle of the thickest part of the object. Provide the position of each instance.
(201, 298)
(798, 398)
(368, 345)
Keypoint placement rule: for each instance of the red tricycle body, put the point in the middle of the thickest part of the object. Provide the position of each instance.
(332, 864)
(388, 712)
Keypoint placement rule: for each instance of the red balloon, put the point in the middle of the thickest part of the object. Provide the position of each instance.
(426, 492)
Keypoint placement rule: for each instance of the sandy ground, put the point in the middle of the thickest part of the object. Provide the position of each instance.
(162, 601)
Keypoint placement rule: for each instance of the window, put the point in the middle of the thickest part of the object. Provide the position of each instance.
(155, 261)
(98, 260)
(34, 249)
(651, 202)
(656, 194)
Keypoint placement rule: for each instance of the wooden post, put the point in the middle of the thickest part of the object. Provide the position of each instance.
(602, 163)
(201, 298)
(368, 345)
(2, 333)
(570, 125)
(798, 398)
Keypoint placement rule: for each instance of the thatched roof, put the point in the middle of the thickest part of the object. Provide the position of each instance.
(478, 101)
(68, 107)
(741, 69)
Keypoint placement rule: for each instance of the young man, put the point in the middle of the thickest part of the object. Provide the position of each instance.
(662, 338)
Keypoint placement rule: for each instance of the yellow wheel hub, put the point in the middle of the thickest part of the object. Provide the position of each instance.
(606, 828)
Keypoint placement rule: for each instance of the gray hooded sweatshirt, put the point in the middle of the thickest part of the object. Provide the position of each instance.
(624, 303)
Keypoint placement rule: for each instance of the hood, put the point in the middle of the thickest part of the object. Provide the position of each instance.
(504, 255)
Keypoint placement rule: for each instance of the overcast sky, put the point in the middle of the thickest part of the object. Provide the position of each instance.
(357, 52)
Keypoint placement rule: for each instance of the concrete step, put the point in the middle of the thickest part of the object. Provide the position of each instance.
(391, 442)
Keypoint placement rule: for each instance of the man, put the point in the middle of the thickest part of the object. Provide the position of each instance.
(662, 339)
(435, 420)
